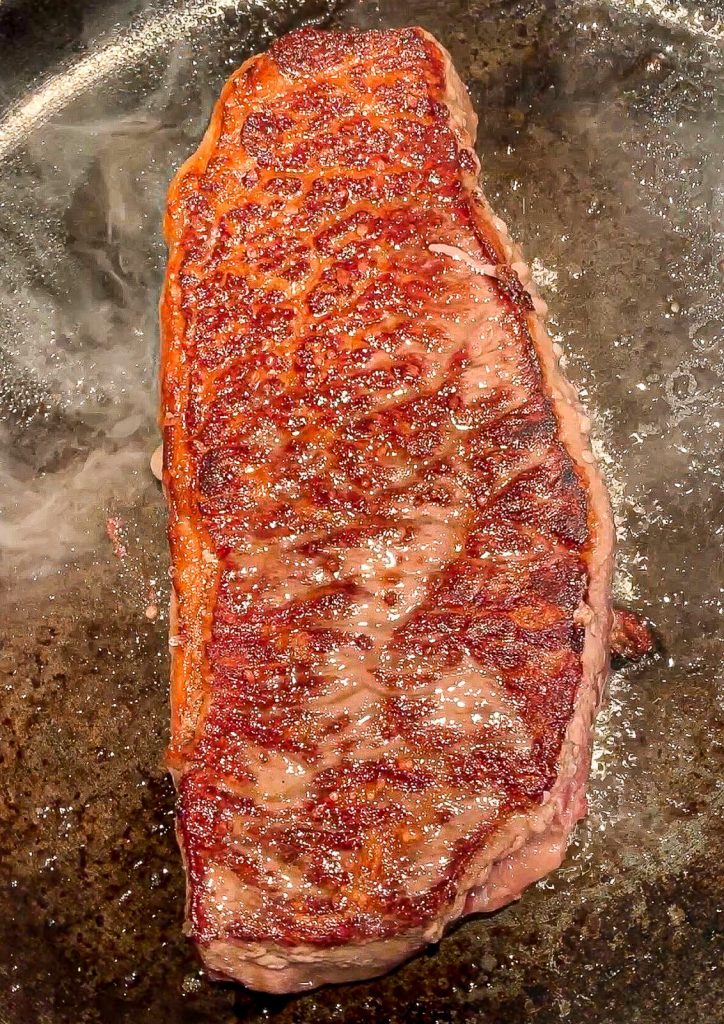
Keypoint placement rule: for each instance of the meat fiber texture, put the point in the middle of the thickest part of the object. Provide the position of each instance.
(391, 548)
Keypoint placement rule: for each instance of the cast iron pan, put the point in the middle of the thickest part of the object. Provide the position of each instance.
(601, 143)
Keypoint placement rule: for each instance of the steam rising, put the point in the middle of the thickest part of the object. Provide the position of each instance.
(81, 266)
(79, 337)
(55, 516)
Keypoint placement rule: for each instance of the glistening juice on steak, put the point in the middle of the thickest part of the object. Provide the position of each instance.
(391, 548)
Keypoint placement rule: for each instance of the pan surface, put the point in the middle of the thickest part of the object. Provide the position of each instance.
(601, 144)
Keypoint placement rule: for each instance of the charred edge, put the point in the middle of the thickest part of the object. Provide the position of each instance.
(633, 639)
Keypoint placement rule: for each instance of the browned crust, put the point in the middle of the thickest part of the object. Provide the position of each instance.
(283, 969)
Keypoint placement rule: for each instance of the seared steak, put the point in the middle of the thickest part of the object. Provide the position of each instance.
(391, 548)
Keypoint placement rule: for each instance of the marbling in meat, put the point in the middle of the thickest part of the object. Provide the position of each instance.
(391, 548)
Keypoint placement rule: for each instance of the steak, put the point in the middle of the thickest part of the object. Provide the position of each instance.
(391, 549)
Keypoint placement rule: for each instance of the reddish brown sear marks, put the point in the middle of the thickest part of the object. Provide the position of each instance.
(399, 541)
